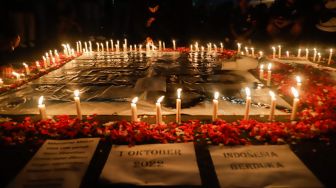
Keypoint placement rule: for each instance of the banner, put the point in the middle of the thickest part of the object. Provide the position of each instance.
(152, 164)
(260, 166)
(57, 164)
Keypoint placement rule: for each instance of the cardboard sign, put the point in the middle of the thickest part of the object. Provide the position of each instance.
(58, 163)
(152, 164)
(260, 166)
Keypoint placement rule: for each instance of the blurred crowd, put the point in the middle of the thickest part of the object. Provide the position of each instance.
(27, 23)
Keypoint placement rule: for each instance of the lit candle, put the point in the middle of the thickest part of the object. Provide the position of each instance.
(125, 42)
(112, 46)
(80, 47)
(261, 54)
(298, 83)
(273, 104)
(269, 74)
(38, 66)
(261, 72)
(319, 57)
(299, 53)
(295, 103)
(90, 46)
(221, 47)
(191, 48)
(215, 47)
(77, 47)
(159, 111)
(160, 45)
(78, 105)
(314, 57)
(17, 75)
(252, 49)
(26, 68)
(42, 109)
(57, 55)
(239, 47)
(246, 51)
(86, 46)
(97, 46)
(248, 103)
(273, 48)
(174, 45)
(164, 45)
(1, 83)
(178, 106)
(330, 56)
(196, 46)
(134, 110)
(102, 47)
(140, 47)
(287, 54)
(307, 53)
(215, 106)
(107, 46)
(279, 51)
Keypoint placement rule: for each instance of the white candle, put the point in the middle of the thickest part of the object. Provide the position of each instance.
(299, 53)
(42, 109)
(77, 47)
(248, 103)
(319, 57)
(252, 49)
(298, 83)
(140, 47)
(178, 106)
(261, 54)
(159, 111)
(160, 45)
(17, 75)
(97, 47)
(221, 47)
(273, 104)
(295, 103)
(90, 46)
(307, 53)
(164, 45)
(78, 105)
(26, 68)
(86, 46)
(279, 51)
(174, 45)
(125, 42)
(273, 48)
(269, 74)
(38, 66)
(287, 54)
(80, 47)
(330, 56)
(134, 110)
(239, 47)
(57, 55)
(1, 83)
(107, 46)
(246, 51)
(196, 46)
(261, 72)
(215, 106)
(112, 46)
(314, 57)
(102, 47)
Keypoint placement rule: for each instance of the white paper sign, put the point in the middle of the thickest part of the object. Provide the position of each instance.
(152, 164)
(260, 166)
(58, 163)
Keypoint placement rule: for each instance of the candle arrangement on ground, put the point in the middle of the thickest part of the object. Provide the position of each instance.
(301, 117)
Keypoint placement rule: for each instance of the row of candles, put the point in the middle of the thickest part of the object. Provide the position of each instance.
(50, 59)
(277, 53)
(158, 108)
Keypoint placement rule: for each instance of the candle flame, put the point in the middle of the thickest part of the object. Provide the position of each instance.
(44, 58)
(248, 92)
(331, 50)
(76, 93)
(319, 54)
(269, 66)
(135, 100)
(273, 48)
(298, 79)
(24, 64)
(295, 92)
(262, 67)
(160, 99)
(216, 95)
(238, 44)
(179, 90)
(40, 101)
(37, 63)
(272, 94)
(15, 74)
